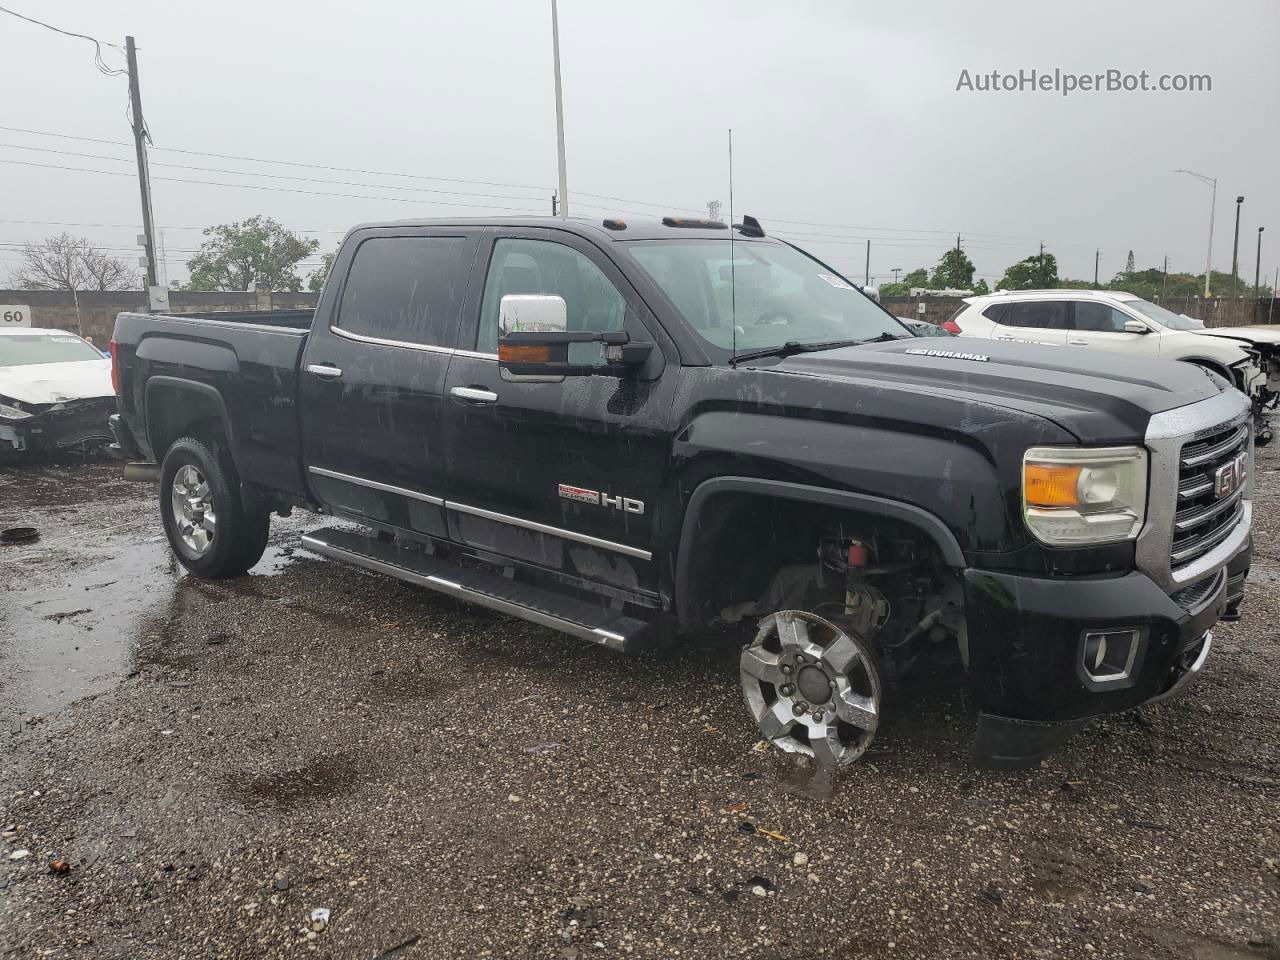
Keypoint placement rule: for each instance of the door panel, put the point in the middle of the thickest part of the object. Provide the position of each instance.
(563, 474)
(1100, 326)
(373, 383)
(1036, 321)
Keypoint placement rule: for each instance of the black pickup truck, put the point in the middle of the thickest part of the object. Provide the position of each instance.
(634, 431)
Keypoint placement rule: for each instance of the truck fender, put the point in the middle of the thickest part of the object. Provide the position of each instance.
(167, 421)
(918, 517)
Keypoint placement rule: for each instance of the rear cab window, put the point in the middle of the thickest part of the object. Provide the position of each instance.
(406, 290)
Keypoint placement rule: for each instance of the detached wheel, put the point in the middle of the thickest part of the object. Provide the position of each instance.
(812, 687)
(209, 526)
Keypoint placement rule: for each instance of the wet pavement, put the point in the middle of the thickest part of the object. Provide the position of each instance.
(214, 761)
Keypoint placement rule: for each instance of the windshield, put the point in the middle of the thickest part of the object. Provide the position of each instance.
(20, 349)
(777, 294)
(1166, 318)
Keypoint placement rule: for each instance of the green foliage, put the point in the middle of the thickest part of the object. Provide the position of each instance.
(981, 288)
(317, 277)
(1037, 272)
(1150, 284)
(954, 271)
(258, 251)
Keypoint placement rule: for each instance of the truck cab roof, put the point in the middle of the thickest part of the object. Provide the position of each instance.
(672, 227)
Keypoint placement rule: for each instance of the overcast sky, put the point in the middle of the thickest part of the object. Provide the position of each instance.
(845, 115)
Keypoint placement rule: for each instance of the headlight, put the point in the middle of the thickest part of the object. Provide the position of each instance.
(1073, 496)
(8, 412)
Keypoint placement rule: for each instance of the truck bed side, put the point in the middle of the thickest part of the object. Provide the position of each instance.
(175, 372)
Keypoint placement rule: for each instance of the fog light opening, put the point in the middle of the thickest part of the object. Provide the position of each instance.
(1107, 656)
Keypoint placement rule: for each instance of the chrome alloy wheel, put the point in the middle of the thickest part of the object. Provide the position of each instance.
(812, 688)
(193, 510)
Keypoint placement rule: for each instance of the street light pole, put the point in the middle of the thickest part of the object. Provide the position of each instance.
(1213, 206)
(555, 48)
(1257, 267)
(1235, 249)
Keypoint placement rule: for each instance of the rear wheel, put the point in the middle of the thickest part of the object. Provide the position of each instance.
(812, 687)
(211, 527)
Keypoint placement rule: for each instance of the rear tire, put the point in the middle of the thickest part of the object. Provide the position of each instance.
(213, 528)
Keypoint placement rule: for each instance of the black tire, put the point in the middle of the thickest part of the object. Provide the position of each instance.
(240, 533)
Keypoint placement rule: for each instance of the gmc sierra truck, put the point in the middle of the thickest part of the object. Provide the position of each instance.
(632, 432)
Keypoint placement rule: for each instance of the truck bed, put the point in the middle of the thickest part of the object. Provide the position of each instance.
(244, 363)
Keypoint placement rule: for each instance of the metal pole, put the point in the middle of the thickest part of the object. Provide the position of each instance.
(1164, 284)
(867, 279)
(1235, 249)
(564, 177)
(1208, 263)
(140, 145)
(1257, 267)
(1097, 255)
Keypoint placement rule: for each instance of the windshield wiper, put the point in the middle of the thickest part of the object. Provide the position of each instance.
(792, 347)
(886, 337)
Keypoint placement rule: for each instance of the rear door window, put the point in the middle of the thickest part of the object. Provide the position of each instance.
(406, 289)
(1037, 314)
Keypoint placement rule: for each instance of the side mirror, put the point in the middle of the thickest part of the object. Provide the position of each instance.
(1136, 326)
(533, 313)
(533, 340)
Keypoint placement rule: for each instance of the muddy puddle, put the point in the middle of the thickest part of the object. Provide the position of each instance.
(71, 603)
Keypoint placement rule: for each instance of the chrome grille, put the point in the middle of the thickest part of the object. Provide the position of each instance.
(1202, 519)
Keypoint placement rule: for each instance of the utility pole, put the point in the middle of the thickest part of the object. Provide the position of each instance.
(896, 271)
(867, 280)
(1097, 255)
(564, 177)
(713, 210)
(140, 145)
(1235, 248)
(1042, 249)
(553, 203)
(1164, 284)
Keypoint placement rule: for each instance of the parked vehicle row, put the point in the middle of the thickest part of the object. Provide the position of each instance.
(1246, 357)
(632, 431)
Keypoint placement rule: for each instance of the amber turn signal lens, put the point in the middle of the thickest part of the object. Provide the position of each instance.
(1051, 485)
(524, 353)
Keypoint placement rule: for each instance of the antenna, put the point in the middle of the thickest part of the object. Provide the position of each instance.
(733, 284)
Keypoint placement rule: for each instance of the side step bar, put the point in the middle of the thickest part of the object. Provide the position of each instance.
(539, 605)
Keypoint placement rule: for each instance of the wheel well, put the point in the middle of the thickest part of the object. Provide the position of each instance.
(754, 536)
(175, 411)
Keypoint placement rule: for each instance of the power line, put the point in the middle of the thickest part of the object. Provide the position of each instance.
(272, 176)
(258, 186)
(97, 44)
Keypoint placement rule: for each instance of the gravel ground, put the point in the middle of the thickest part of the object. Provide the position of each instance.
(214, 761)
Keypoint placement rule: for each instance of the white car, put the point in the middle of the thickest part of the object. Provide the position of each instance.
(1123, 323)
(55, 392)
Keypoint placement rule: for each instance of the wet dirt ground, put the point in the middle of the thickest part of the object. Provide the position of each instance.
(214, 761)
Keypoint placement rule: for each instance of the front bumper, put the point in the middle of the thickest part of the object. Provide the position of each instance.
(1026, 650)
(74, 424)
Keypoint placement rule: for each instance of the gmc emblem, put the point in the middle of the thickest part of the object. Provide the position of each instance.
(1228, 477)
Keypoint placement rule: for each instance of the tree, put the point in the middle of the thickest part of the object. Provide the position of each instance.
(980, 288)
(317, 277)
(70, 263)
(954, 271)
(258, 251)
(1037, 272)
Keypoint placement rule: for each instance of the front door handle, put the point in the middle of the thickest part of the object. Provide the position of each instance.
(325, 371)
(1078, 343)
(476, 395)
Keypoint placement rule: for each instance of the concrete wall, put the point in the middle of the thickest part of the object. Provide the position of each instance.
(94, 314)
(1215, 312)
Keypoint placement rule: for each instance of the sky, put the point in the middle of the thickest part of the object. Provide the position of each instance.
(847, 122)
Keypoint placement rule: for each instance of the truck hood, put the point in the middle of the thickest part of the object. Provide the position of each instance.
(1251, 334)
(43, 383)
(1099, 397)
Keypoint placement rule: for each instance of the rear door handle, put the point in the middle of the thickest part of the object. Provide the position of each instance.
(1078, 343)
(325, 371)
(476, 395)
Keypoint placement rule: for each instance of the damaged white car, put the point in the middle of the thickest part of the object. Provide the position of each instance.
(55, 392)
